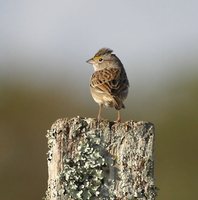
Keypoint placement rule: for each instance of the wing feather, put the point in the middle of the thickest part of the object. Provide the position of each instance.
(110, 80)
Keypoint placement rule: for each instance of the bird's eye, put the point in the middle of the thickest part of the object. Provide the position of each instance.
(100, 60)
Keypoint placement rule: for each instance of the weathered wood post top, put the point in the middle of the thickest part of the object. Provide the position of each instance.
(106, 160)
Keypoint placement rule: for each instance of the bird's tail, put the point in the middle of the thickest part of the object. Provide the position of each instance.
(118, 104)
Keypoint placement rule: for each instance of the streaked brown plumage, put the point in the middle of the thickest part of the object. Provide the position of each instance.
(109, 84)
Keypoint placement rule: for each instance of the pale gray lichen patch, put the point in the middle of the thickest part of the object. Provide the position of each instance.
(83, 176)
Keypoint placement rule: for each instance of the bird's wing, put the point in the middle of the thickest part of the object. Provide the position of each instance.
(111, 80)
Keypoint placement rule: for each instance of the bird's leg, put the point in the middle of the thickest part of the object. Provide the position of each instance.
(99, 112)
(119, 117)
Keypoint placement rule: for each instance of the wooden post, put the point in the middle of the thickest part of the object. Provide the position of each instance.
(106, 160)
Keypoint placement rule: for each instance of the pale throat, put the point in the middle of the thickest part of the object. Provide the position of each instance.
(99, 67)
(96, 68)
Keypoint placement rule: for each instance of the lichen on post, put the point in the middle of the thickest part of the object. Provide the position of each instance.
(106, 160)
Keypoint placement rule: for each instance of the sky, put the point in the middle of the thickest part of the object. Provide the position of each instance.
(51, 40)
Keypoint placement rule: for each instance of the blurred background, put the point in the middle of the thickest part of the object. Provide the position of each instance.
(43, 76)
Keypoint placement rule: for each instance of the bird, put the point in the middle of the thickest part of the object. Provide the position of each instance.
(109, 84)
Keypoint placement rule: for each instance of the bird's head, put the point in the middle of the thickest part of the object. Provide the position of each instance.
(103, 59)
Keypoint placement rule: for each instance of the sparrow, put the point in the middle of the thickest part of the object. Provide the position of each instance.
(109, 84)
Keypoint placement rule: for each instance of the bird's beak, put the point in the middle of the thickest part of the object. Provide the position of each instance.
(90, 61)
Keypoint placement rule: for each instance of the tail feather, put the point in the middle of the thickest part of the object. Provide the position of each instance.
(118, 104)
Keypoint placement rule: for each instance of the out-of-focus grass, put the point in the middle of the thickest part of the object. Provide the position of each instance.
(27, 112)
(176, 142)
